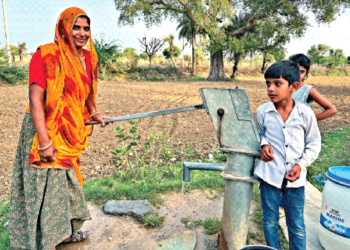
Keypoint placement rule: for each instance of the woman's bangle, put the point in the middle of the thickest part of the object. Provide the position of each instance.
(44, 148)
(93, 113)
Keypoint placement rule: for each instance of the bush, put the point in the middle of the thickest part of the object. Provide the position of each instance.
(144, 56)
(166, 52)
(106, 50)
(12, 74)
(131, 56)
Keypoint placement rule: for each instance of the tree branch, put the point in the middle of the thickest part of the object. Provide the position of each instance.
(191, 17)
(157, 8)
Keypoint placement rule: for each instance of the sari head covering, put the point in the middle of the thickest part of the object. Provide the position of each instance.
(67, 90)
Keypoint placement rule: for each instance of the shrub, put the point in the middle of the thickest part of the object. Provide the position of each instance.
(12, 74)
(152, 220)
(166, 52)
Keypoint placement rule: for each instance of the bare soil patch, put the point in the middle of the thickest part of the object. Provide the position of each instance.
(122, 98)
(125, 233)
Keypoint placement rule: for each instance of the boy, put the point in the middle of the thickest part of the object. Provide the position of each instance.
(290, 142)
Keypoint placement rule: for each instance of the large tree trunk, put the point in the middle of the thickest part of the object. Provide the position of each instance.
(217, 67)
(193, 54)
(237, 58)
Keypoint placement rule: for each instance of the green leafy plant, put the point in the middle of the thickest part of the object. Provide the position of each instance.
(122, 152)
(106, 49)
(152, 220)
(212, 226)
(12, 74)
(4, 217)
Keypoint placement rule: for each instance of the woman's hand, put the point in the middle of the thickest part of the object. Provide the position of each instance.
(48, 155)
(99, 118)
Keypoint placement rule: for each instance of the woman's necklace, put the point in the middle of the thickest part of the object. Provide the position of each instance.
(83, 62)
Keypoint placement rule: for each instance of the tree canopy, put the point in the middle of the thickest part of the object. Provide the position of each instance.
(283, 18)
(317, 52)
(106, 49)
(166, 52)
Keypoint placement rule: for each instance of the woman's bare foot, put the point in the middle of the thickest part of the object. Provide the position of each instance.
(79, 236)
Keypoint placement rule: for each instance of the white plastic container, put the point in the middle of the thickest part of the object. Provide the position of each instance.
(334, 226)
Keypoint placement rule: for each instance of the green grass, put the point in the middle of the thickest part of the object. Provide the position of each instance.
(196, 79)
(4, 217)
(151, 182)
(335, 152)
(170, 179)
(155, 79)
(152, 220)
(212, 225)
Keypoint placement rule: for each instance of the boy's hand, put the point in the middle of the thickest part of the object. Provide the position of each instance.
(294, 174)
(266, 153)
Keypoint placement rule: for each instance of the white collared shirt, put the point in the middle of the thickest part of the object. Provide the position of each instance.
(296, 141)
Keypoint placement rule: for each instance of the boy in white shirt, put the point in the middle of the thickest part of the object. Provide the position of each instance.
(290, 142)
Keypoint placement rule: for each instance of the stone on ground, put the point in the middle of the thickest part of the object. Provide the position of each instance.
(137, 208)
(312, 212)
(185, 241)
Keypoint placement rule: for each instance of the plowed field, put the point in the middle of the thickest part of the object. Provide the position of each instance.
(121, 98)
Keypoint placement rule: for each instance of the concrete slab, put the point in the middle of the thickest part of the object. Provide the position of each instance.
(312, 211)
(185, 241)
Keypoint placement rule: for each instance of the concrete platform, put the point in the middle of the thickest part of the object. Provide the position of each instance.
(312, 211)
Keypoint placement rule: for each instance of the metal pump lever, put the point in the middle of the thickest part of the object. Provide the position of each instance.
(149, 114)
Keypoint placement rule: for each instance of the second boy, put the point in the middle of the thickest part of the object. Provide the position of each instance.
(290, 142)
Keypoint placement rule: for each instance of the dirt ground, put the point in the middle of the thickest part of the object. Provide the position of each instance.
(129, 235)
(122, 98)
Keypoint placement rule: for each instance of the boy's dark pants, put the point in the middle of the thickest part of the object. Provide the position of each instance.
(293, 201)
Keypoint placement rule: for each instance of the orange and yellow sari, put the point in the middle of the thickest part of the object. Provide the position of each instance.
(66, 92)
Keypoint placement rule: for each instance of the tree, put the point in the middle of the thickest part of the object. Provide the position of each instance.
(212, 16)
(106, 50)
(14, 52)
(152, 47)
(236, 47)
(348, 60)
(336, 58)
(189, 31)
(176, 52)
(279, 56)
(188, 59)
(170, 40)
(317, 53)
(22, 50)
(131, 56)
(199, 55)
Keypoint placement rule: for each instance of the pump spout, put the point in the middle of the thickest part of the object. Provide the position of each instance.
(188, 166)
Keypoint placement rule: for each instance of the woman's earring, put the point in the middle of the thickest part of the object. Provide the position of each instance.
(306, 76)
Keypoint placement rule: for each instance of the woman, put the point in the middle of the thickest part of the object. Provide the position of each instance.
(47, 203)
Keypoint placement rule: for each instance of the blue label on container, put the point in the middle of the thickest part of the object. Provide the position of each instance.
(344, 231)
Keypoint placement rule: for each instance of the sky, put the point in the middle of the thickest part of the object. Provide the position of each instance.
(33, 22)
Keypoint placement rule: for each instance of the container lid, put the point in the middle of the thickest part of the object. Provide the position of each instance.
(340, 174)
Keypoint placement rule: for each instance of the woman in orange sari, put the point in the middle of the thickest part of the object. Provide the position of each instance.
(47, 203)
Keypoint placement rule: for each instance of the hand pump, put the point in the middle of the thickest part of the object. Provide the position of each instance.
(238, 136)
